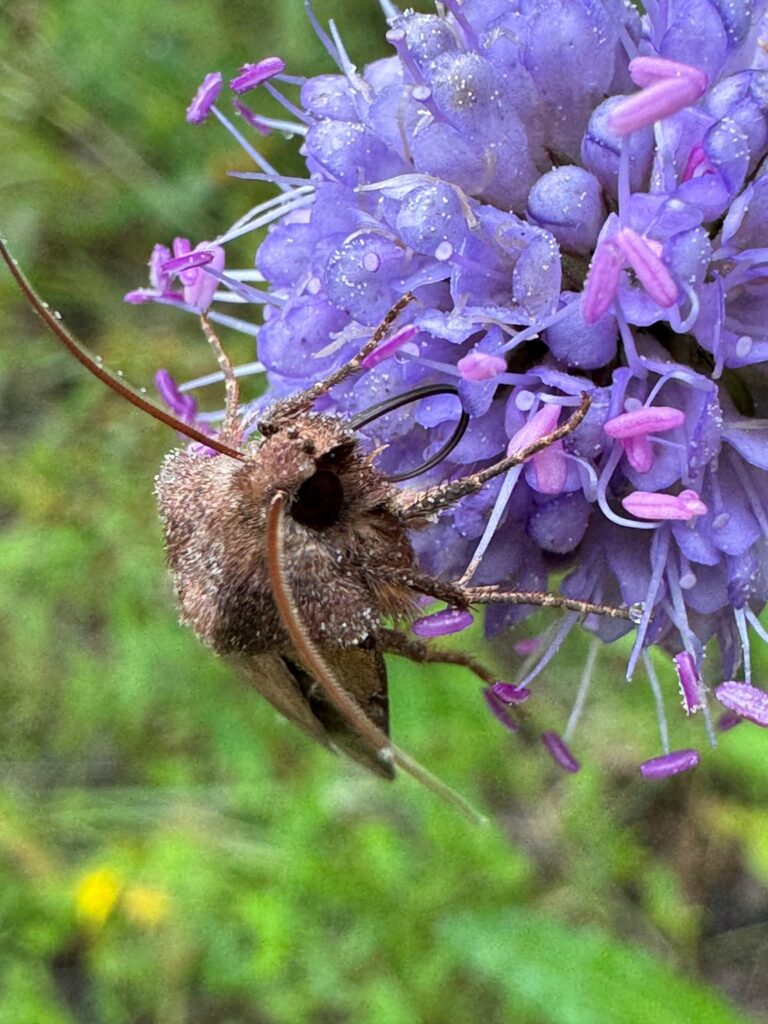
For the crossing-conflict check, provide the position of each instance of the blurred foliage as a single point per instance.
(170, 852)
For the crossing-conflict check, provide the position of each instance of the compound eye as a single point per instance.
(319, 500)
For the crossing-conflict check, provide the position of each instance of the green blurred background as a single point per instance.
(170, 852)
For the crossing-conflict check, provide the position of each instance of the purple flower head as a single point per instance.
(576, 196)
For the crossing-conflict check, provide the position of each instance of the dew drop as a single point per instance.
(444, 251)
(743, 346)
(636, 612)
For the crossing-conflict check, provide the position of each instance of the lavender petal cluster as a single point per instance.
(577, 196)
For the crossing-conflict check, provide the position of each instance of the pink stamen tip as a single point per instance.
(189, 261)
(551, 469)
(508, 693)
(646, 71)
(669, 764)
(476, 366)
(697, 160)
(559, 751)
(539, 425)
(692, 503)
(662, 98)
(639, 453)
(389, 347)
(199, 286)
(252, 119)
(139, 296)
(602, 282)
(252, 75)
(183, 406)
(647, 264)
(499, 709)
(198, 448)
(652, 505)
(691, 684)
(204, 98)
(158, 277)
(450, 620)
(181, 246)
(744, 700)
(650, 419)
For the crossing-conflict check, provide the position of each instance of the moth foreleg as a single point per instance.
(303, 400)
(423, 583)
(232, 429)
(393, 642)
(415, 505)
(491, 595)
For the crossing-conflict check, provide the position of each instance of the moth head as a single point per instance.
(317, 464)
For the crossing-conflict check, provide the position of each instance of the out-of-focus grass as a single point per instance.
(170, 851)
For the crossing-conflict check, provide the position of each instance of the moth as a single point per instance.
(288, 550)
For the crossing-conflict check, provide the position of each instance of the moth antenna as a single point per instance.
(303, 400)
(321, 671)
(391, 404)
(231, 429)
(436, 498)
(92, 364)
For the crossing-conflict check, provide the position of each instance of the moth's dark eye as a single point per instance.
(337, 457)
(319, 500)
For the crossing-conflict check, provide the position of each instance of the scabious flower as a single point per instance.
(577, 196)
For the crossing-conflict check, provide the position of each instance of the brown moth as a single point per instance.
(288, 551)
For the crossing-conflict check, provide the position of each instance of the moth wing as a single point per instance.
(291, 690)
(273, 678)
(362, 672)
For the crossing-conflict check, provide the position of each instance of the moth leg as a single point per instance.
(459, 596)
(423, 583)
(435, 499)
(490, 595)
(231, 429)
(303, 400)
(393, 642)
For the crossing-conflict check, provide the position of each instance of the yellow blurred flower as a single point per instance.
(96, 895)
(146, 905)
